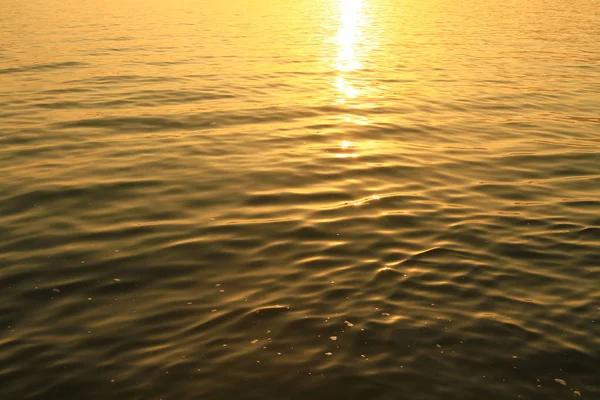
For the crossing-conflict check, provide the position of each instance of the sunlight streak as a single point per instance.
(347, 37)
(348, 34)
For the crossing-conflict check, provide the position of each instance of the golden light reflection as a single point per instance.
(350, 50)
(348, 35)
(353, 155)
(366, 201)
(348, 149)
(347, 38)
(356, 119)
(345, 88)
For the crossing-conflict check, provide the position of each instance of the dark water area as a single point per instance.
(308, 199)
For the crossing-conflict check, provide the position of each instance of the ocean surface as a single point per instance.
(300, 199)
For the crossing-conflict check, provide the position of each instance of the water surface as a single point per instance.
(300, 199)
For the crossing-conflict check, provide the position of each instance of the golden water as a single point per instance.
(300, 199)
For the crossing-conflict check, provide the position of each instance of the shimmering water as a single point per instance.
(300, 199)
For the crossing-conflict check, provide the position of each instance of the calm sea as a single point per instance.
(300, 199)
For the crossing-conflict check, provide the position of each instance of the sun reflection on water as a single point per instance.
(347, 38)
(350, 50)
(345, 88)
(348, 35)
(347, 150)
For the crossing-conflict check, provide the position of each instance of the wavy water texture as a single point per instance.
(338, 199)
